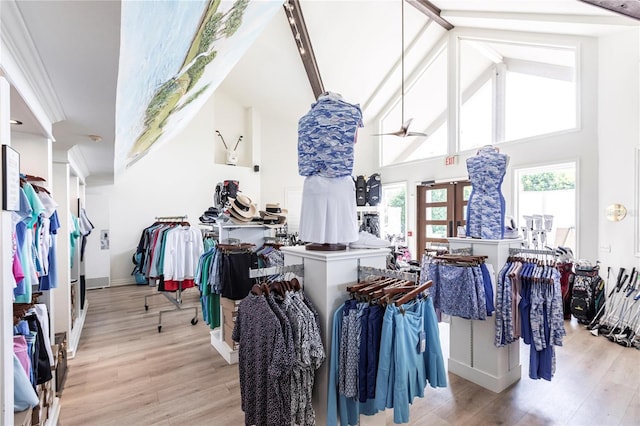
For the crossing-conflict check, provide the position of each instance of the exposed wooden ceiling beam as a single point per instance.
(538, 17)
(432, 11)
(625, 7)
(303, 43)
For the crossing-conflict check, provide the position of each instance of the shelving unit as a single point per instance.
(250, 233)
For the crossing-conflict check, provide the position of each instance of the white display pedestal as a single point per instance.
(473, 354)
(326, 276)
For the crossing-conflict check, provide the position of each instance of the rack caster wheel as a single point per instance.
(146, 307)
(159, 328)
(194, 321)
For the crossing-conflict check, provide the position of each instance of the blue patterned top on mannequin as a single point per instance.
(326, 135)
(485, 211)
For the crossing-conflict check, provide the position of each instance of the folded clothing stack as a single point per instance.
(210, 215)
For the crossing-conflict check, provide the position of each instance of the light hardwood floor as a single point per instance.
(126, 373)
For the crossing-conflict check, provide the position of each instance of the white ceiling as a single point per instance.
(356, 43)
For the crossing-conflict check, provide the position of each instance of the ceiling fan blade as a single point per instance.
(398, 133)
(416, 134)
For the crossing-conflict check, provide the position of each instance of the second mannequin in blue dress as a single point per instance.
(485, 211)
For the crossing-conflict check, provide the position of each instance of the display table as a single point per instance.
(326, 276)
(472, 353)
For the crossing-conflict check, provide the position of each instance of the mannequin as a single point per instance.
(326, 138)
(486, 208)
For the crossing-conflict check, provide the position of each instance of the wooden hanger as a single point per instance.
(33, 178)
(241, 246)
(257, 290)
(379, 285)
(413, 293)
(278, 288)
(296, 284)
(357, 287)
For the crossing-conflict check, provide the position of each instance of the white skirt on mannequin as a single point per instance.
(328, 214)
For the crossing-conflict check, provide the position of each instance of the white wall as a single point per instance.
(97, 262)
(619, 136)
(176, 179)
(35, 154)
(279, 165)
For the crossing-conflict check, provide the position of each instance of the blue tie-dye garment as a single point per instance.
(485, 211)
(326, 135)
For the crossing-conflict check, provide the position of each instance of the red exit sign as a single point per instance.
(451, 160)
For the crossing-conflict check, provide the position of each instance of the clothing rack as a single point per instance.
(217, 335)
(364, 271)
(171, 218)
(277, 270)
(465, 251)
(177, 300)
(514, 251)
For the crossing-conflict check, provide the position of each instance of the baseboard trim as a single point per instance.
(100, 282)
(118, 282)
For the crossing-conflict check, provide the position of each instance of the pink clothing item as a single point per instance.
(18, 273)
(21, 350)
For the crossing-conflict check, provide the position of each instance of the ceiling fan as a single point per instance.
(404, 129)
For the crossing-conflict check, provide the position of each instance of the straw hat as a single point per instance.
(235, 217)
(242, 208)
(274, 208)
(273, 211)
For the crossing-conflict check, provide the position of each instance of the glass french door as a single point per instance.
(441, 208)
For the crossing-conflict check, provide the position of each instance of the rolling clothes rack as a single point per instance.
(177, 300)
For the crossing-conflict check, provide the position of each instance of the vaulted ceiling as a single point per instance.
(356, 43)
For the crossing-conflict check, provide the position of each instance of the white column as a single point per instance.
(472, 353)
(61, 315)
(326, 276)
(6, 263)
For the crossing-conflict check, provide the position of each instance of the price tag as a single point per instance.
(422, 342)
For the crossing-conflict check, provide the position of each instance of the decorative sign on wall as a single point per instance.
(173, 56)
(10, 179)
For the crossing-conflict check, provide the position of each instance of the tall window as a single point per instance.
(426, 103)
(511, 91)
(551, 191)
(394, 212)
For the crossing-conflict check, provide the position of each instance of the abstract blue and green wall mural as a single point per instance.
(173, 56)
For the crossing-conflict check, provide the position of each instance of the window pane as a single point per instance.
(464, 212)
(437, 195)
(393, 211)
(433, 145)
(466, 193)
(548, 192)
(426, 104)
(537, 105)
(511, 90)
(436, 231)
(476, 118)
(436, 213)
